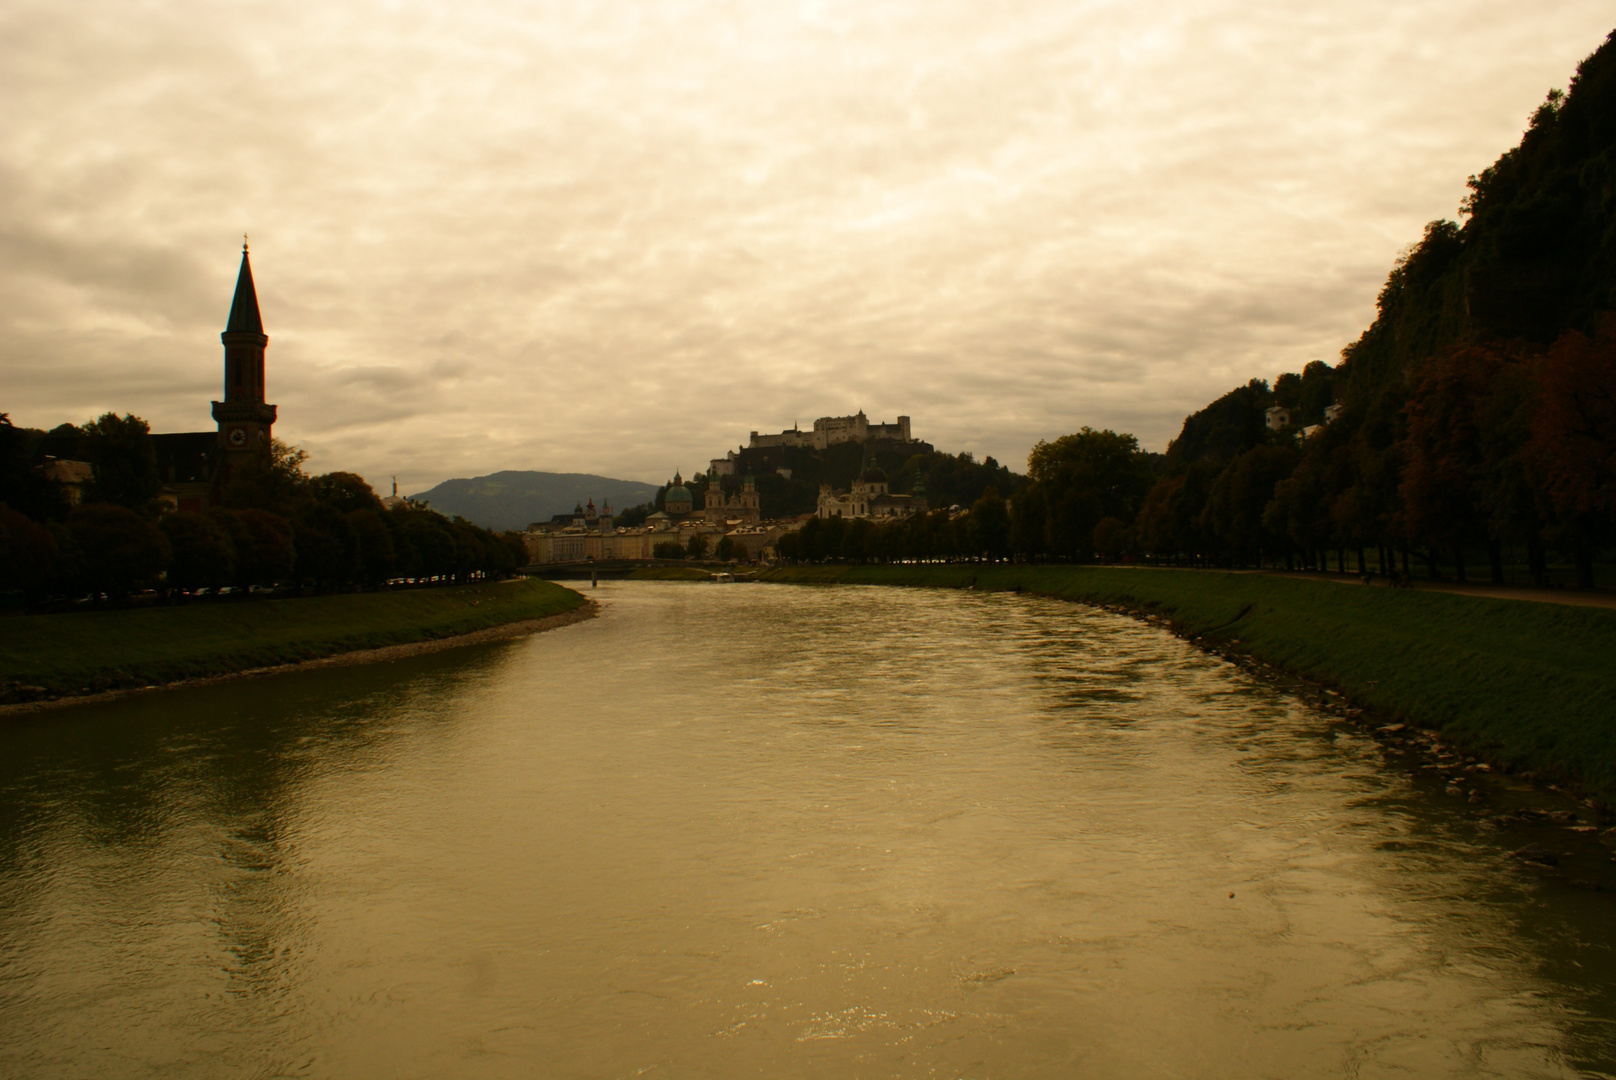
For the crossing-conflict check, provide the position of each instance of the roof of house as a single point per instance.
(67, 472)
(185, 457)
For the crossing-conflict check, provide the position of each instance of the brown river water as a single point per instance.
(766, 831)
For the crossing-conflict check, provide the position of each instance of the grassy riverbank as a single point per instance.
(1530, 685)
(58, 655)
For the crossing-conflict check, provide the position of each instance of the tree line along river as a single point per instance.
(766, 831)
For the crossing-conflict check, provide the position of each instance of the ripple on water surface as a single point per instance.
(753, 830)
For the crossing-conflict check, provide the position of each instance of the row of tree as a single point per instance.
(276, 526)
(1483, 448)
(1489, 447)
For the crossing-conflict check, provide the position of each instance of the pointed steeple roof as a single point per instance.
(244, 317)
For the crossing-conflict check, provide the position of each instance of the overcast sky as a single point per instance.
(616, 237)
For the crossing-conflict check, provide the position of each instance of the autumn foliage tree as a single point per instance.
(1446, 455)
(1574, 439)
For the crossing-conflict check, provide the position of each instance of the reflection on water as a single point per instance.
(763, 831)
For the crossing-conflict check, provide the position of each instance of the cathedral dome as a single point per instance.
(678, 500)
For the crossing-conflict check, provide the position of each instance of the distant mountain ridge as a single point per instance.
(514, 498)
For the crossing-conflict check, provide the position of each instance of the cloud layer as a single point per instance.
(616, 237)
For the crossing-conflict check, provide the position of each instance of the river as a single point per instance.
(768, 831)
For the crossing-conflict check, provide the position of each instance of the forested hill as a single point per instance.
(1478, 410)
(1535, 257)
(514, 499)
(1473, 424)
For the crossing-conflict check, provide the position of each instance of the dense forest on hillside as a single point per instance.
(1475, 421)
(1476, 411)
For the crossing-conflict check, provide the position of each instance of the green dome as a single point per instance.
(677, 493)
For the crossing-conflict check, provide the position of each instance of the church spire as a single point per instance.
(245, 419)
(244, 317)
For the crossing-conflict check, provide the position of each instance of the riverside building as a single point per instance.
(869, 498)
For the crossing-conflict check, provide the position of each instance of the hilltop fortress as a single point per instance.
(829, 430)
(729, 518)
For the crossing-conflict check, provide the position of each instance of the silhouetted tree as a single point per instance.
(327, 550)
(1223, 430)
(428, 535)
(1238, 498)
(124, 461)
(1169, 524)
(344, 490)
(264, 547)
(376, 557)
(274, 481)
(202, 554)
(22, 487)
(27, 555)
(989, 526)
(116, 550)
(1083, 478)
(1110, 538)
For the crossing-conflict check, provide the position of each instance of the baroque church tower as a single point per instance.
(244, 420)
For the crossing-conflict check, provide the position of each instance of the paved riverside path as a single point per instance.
(1582, 597)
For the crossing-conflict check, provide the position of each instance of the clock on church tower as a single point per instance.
(245, 420)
